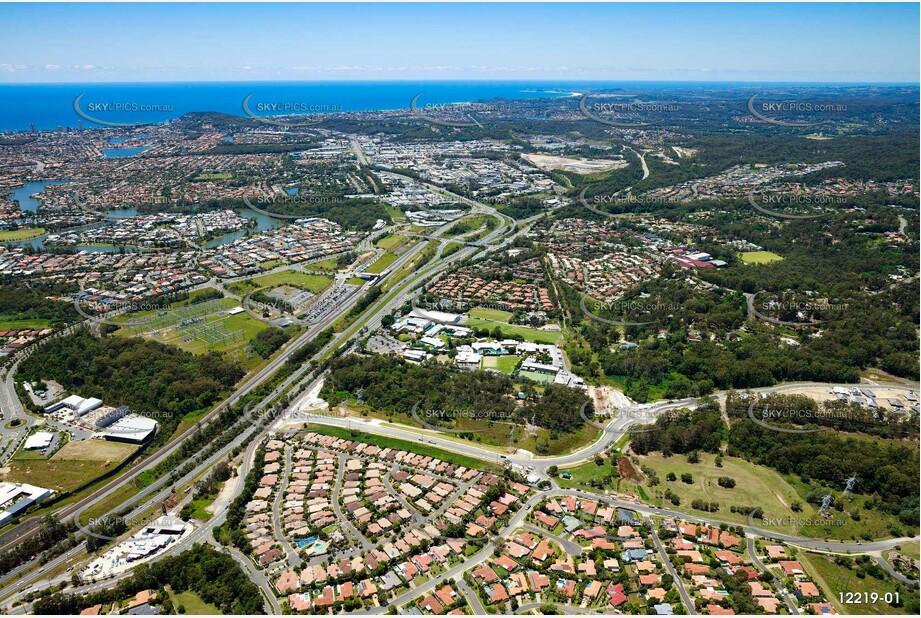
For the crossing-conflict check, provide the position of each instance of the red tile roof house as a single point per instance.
(807, 590)
(592, 590)
(696, 569)
(717, 610)
(288, 582)
(538, 581)
(298, 602)
(791, 567)
(616, 595)
(431, 604)
(486, 574)
(543, 551)
(506, 563)
(566, 587)
(515, 550)
(496, 593)
(728, 557)
(446, 595)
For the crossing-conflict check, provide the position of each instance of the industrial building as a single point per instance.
(130, 428)
(78, 404)
(40, 440)
(108, 418)
(17, 497)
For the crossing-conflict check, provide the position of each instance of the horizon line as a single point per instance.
(469, 80)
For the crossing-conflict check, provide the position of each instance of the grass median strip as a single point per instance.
(403, 445)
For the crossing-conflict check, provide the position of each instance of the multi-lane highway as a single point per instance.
(304, 380)
(377, 310)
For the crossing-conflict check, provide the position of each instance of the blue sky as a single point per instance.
(869, 42)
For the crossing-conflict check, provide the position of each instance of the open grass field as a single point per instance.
(761, 486)
(391, 242)
(759, 257)
(33, 455)
(303, 281)
(527, 333)
(23, 324)
(833, 579)
(94, 450)
(405, 445)
(583, 474)
(381, 264)
(396, 215)
(755, 486)
(328, 264)
(23, 234)
(506, 364)
(496, 315)
(73, 465)
(193, 604)
(214, 176)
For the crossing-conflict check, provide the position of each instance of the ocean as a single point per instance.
(49, 106)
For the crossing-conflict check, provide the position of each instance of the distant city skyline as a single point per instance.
(776, 42)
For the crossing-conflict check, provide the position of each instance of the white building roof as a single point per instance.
(41, 439)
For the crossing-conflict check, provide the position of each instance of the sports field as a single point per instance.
(496, 315)
(759, 257)
(527, 333)
(22, 234)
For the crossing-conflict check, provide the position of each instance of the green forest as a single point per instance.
(393, 386)
(151, 378)
(212, 575)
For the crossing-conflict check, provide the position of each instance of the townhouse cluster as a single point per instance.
(304, 240)
(110, 276)
(737, 181)
(509, 295)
